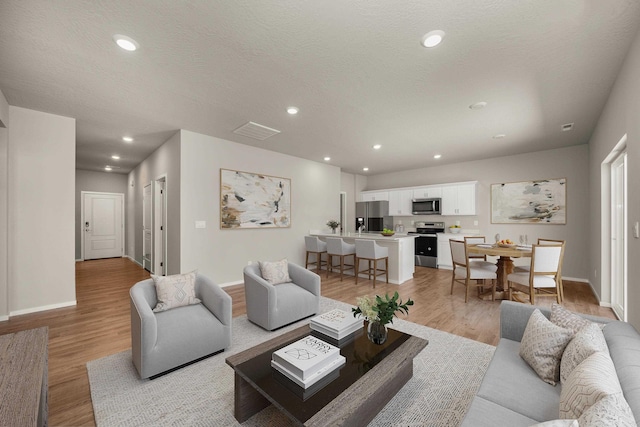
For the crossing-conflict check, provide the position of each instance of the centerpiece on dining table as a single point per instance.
(379, 312)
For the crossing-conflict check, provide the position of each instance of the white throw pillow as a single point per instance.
(175, 291)
(542, 346)
(590, 381)
(612, 410)
(275, 272)
(586, 342)
(567, 319)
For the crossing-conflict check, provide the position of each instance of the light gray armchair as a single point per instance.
(168, 339)
(274, 306)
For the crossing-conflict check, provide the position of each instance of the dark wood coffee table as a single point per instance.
(372, 375)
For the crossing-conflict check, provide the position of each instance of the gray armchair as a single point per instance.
(168, 339)
(274, 306)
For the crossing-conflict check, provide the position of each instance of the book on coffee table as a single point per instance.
(306, 356)
(313, 378)
(301, 392)
(336, 324)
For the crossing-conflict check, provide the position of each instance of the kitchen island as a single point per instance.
(401, 252)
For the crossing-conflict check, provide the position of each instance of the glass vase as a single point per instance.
(377, 332)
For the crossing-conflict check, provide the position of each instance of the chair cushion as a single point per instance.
(275, 272)
(174, 291)
(475, 272)
(542, 346)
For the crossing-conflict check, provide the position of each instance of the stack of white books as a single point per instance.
(336, 324)
(307, 361)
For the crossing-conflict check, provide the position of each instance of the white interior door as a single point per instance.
(103, 220)
(618, 236)
(159, 227)
(147, 246)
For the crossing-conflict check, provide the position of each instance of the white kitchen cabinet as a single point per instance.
(372, 196)
(427, 192)
(400, 202)
(459, 199)
(444, 249)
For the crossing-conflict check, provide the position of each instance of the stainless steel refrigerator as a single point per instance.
(373, 215)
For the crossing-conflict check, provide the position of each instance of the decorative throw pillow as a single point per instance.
(175, 291)
(612, 410)
(558, 423)
(275, 272)
(586, 342)
(590, 381)
(567, 319)
(542, 346)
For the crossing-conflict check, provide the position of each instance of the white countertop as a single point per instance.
(370, 236)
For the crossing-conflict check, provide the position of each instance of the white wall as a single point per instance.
(102, 182)
(619, 117)
(41, 210)
(164, 161)
(571, 163)
(4, 146)
(222, 254)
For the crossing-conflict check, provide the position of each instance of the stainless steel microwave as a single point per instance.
(426, 206)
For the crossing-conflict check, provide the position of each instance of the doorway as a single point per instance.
(618, 236)
(102, 225)
(147, 231)
(159, 226)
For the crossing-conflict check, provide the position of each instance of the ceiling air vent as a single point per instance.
(256, 131)
(566, 127)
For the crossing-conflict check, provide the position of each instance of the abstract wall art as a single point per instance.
(537, 202)
(252, 200)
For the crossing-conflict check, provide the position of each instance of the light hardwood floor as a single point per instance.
(100, 323)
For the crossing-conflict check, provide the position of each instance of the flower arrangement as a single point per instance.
(333, 224)
(382, 309)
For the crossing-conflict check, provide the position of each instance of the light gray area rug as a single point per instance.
(446, 376)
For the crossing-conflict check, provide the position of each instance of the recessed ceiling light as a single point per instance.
(499, 136)
(437, 156)
(478, 105)
(377, 147)
(292, 110)
(127, 139)
(432, 38)
(114, 157)
(326, 159)
(365, 169)
(126, 43)
(108, 168)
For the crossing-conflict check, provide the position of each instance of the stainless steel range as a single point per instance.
(427, 243)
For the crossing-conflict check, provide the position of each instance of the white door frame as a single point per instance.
(144, 230)
(605, 223)
(618, 236)
(159, 220)
(82, 218)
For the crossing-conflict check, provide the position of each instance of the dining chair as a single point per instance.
(543, 277)
(317, 248)
(526, 268)
(370, 251)
(337, 247)
(479, 260)
(467, 273)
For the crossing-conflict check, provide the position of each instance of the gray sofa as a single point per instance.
(166, 340)
(274, 306)
(512, 394)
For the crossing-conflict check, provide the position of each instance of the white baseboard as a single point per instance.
(127, 256)
(576, 279)
(42, 308)
(79, 259)
(237, 282)
(3, 318)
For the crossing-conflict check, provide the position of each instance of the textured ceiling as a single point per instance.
(355, 69)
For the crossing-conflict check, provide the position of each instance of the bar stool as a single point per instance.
(337, 247)
(372, 252)
(315, 247)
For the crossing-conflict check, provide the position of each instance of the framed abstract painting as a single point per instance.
(532, 202)
(252, 200)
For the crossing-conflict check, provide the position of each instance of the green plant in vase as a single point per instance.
(379, 313)
(333, 224)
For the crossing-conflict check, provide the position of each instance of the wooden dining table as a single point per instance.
(505, 263)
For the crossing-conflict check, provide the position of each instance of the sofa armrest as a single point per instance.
(214, 298)
(514, 317)
(259, 294)
(304, 278)
(143, 319)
